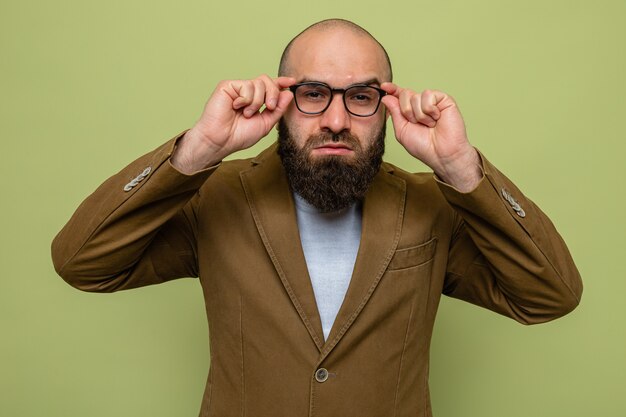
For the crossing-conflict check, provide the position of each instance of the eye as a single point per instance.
(362, 95)
(313, 93)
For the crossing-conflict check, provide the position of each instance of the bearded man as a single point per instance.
(322, 266)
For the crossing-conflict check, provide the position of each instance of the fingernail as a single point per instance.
(272, 103)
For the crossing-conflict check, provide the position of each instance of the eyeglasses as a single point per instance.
(315, 97)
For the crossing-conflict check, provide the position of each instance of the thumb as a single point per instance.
(393, 106)
(271, 117)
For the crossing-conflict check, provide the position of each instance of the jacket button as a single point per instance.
(321, 375)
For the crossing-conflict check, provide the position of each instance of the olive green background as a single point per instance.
(88, 86)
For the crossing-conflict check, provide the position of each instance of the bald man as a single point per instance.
(321, 265)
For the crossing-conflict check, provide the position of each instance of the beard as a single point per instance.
(330, 182)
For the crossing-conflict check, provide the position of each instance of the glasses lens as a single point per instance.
(312, 98)
(362, 100)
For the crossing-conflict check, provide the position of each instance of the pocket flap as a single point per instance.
(413, 256)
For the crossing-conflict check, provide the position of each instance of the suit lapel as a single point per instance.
(383, 212)
(273, 210)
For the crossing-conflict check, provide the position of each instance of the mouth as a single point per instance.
(332, 148)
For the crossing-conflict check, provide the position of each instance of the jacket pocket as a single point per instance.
(413, 256)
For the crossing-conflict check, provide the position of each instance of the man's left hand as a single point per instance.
(431, 128)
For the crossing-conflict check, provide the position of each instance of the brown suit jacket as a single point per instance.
(235, 228)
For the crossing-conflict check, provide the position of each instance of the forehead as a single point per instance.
(338, 57)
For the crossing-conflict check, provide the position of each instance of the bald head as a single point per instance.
(325, 30)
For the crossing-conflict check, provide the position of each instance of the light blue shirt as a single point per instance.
(330, 242)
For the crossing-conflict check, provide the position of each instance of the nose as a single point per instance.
(336, 118)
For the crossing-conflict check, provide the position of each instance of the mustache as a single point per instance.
(323, 138)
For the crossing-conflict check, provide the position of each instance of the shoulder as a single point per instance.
(423, 180)
(422, 190)
(229, 173)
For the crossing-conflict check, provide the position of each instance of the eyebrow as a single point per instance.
(369, 81)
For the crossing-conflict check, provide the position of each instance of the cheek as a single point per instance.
(300, 126)
(369, 130)
(294, 130)
(291, 111)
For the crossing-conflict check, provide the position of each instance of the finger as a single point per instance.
(393, 106)
(430, 101)
(417, 104)
(271, 117)
(397, 117)
(280, 83)
(244, 91)
(258, 98)
(406, 99)
(391, 88)
(271, 92)
(284, 82)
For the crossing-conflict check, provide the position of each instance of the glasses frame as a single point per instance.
(334, 91)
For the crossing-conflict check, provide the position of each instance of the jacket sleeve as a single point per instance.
(138, 228)
(506, 255)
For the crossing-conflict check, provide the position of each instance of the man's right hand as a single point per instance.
(232, 121)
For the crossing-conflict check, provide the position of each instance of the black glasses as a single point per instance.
(315, 97)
